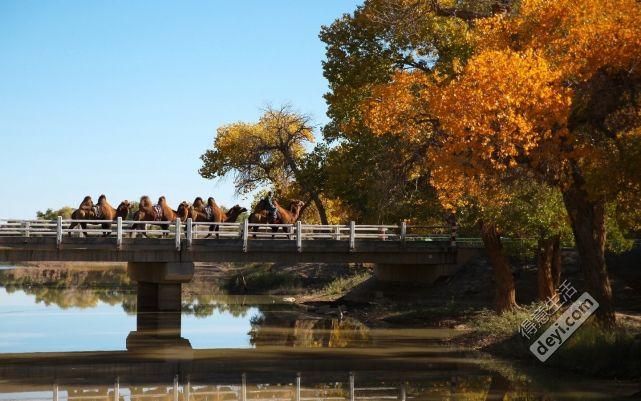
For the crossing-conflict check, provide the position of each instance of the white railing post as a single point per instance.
(297, 395)
(243, 387)
(59, 232)
(176, 388)
(403, 393)
(299, 236)
(245, 234)
(55, 392)
(352, 235)
(403, 230)
(117, 387)
(187, 389)
(189, 232)
(27, 228)
(119, 232)
(178, 235)
(337, 233)
(351, 386)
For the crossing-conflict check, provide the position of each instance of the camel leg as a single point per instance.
(71, 227)
(274, 231)
(84, 229)
(255, 229)
(216, 228)
(107, 228)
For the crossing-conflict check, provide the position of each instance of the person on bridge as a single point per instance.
(272, 210)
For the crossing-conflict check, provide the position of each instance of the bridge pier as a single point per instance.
(159, 284)
(412, 273)
(158, 313)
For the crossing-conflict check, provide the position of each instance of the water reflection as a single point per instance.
(272, 328)
(64, 339)
(336, 386)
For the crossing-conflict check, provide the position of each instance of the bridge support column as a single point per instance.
(158, 314)
(412, 273)
(159, 284)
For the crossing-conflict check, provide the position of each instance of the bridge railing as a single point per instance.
(187, 231)
(239, 391)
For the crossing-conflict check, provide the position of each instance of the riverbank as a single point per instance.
(463, 303)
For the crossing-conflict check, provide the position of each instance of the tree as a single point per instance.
(547, 95)
(379, 177)
(271, 151)
(51, 214)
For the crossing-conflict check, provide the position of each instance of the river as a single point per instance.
(62, 343)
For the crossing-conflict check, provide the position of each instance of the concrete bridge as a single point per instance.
(164, 257)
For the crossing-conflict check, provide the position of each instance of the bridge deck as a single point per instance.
(99, 249)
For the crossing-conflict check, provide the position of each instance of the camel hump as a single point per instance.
(145, 201)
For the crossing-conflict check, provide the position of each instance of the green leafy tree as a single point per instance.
(51, 214)
(271, 152)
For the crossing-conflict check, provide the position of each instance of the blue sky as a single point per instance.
(122, 97)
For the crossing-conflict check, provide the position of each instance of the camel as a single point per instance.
(260, 214)
(101, 211)
(84, 212)
(104, 211)
(212, 213)
(158, 212)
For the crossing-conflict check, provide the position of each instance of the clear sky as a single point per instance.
(122, 97)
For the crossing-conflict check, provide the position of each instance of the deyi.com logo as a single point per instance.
(555, 335)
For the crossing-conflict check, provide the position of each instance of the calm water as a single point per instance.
(60, 342)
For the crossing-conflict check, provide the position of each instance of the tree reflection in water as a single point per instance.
(86, 288)
(275, 327)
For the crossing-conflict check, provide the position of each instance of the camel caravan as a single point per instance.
(267, 211)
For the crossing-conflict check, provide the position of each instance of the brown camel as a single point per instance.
(104, 211)
(84, 212)
(158, 212)
(284, 216)
(212, 213)
(101, 211)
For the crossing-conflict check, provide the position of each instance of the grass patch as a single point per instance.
(264, 282)
(342, 285)
(597, 351)
(593, 350)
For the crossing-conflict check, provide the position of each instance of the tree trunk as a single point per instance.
(322, 213)
(556, 261)
(320, 207)
(588, 225)
(505, 293)
(546, 258)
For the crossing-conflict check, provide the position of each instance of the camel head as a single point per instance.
(296, 206)
(145, 201)
(234, 212)
(183, 211)
(123, 209)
